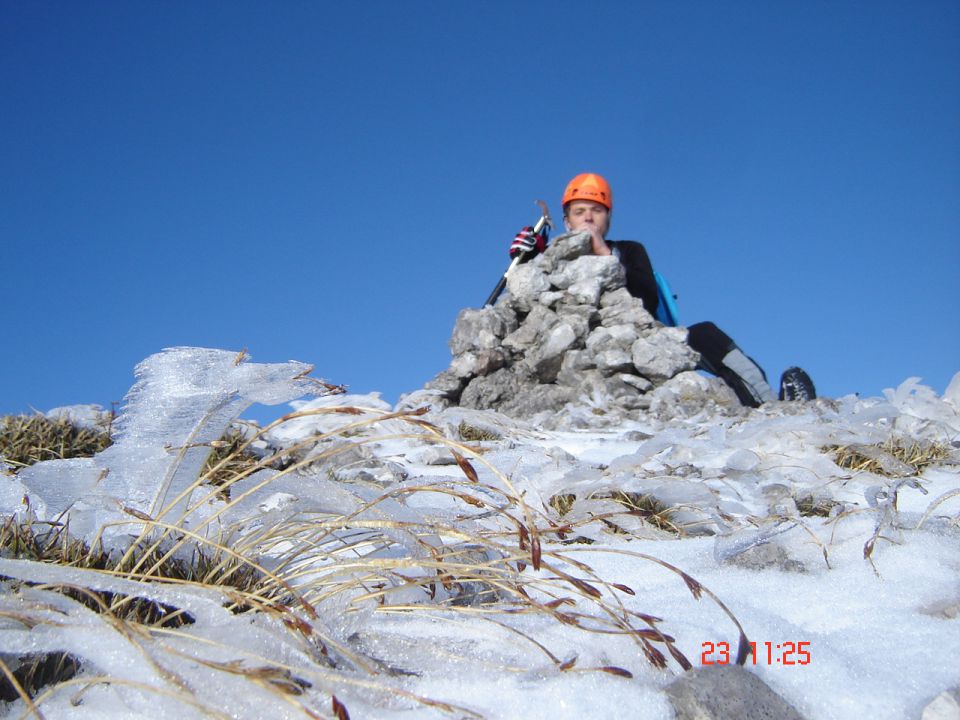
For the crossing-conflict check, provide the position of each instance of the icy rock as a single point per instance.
(690, 394)
(381, 473)
(720, 692)
(475, 575)
(742, 460)
(765, 556)
(946, 609)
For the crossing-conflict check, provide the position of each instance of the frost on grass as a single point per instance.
(379, 561)
(184, 399)
(270, 577)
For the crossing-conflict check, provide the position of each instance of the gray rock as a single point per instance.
(432, 399)
(470, 364)
(532, 330)
(621, 308)
(612, 337)
(565, 336)
(491, 391)
(475, 575)
(481, 329)
(569, 246)
(617, 393)
(575, 363)
(641, 384)
(765, 556)
(550, 298)
(545, 358)
(525, 284)
(582, 318)
(945, 706)
(601, 272)
(448, 384)
(948, 609)
(535, 399)
(611, 362)
(724, 692)
(662, 355)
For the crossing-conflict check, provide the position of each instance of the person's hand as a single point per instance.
(597, 242)
(529, 243)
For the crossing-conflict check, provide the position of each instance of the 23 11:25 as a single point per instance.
(787, 653)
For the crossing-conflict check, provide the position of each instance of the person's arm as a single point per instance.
(640, 281)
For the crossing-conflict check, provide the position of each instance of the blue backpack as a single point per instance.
(667, 305)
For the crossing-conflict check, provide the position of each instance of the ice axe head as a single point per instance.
(544, 218)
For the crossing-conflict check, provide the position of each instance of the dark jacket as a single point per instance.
(640, 281)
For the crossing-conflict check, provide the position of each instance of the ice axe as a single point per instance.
(544, 220)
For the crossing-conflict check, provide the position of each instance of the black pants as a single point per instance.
(715, 346)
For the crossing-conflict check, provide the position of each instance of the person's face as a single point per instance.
(588, 215)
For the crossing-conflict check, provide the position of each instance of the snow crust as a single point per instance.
(872, 583)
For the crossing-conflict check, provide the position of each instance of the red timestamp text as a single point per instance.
(785, 653)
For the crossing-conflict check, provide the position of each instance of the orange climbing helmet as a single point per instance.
(588, 186)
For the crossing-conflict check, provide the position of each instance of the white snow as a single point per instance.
(883, 633)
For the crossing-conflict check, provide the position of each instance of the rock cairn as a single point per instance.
(565, 331)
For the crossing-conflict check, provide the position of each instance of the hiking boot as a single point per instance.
(795, 384)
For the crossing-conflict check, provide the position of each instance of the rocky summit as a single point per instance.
(567, 336)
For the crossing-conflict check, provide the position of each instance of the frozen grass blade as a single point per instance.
(27, 700)
(362, 559)
(937, 502)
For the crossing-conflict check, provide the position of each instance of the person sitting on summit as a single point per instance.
(588, 206)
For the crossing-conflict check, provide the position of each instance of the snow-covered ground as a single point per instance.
(854, 611)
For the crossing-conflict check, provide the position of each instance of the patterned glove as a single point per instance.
(529, 243)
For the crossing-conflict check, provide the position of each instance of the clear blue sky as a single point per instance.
(333, 182)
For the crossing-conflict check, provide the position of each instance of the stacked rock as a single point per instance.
(566, 330)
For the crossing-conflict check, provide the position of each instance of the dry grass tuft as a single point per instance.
(647, 507)
(897, 457)
(46, 543)
(638, 504)
(34, 672)
(471, 433)
(563, 503)
(812, 506)
(28, 439)
(229, 459)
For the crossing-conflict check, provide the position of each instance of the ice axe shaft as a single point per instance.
(543, 221)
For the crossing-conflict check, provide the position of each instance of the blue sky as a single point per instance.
(333, 182)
